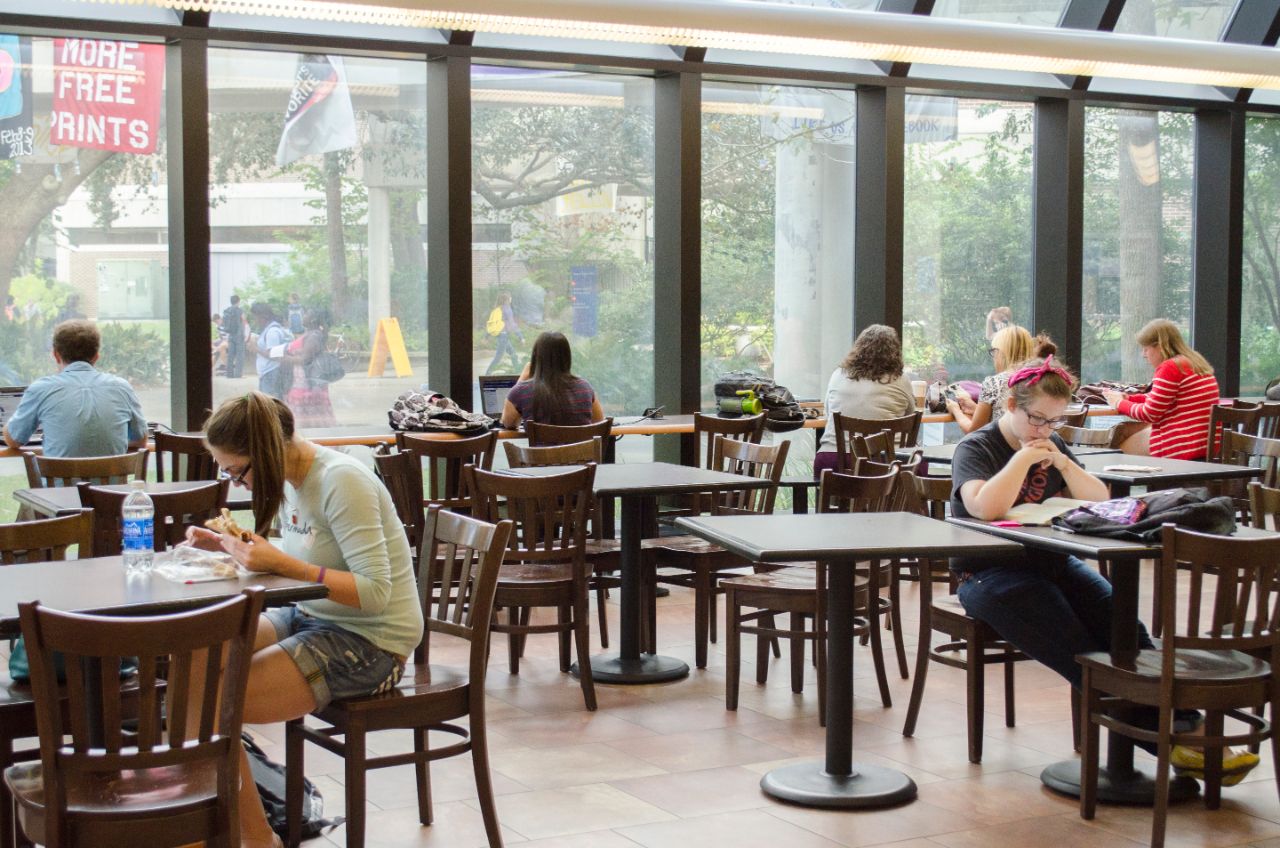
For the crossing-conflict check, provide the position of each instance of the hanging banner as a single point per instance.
(319, 117)
(17, 135)
(107, 94)
(931, 119)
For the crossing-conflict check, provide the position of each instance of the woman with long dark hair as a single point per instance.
(548, 391)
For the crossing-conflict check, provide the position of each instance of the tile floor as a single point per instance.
(667, 765)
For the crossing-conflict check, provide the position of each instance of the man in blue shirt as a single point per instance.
(83, 411)
(273, 379)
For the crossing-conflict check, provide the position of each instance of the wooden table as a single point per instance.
(1120, 781)
(100, 585)
(64, 500)
(1173, 472)
(842, 539)
(637, 484)
(943, 454)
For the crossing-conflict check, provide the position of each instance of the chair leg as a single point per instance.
(1088, 749)
(712, 618)
(1161, 811)
(294, 769)
(1157, 619)
(1212, 763)
(525, 613)
(923, 642)
(733, 658)
(762, 650)
(582, 634)
(484, 780)
(797, 654)
(1075, 720)
(701, 616)
(422, 774)
(877, 651)
(8, 820)
(1010, 716)
(515, 646)
(975, 680)
(601, 594)
(354, 776)
(565, 636)
(895, 619)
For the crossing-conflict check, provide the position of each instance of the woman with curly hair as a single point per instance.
(869, 383)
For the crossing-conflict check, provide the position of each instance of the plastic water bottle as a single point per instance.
(139, 530)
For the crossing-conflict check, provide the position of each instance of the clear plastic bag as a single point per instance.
(188, 564)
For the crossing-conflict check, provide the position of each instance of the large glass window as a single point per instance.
(562, 173)
(1030, 12)
(1260, 330)
(84, 232)
(1137, 235)
(318, 172)
(1201, 20)
(967, 235)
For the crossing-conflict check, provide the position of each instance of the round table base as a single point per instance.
(1137, 787)
(647, 668)
(809, 785)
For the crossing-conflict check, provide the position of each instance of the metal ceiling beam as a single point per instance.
(459, 37)
(1096, 15)
(1255, 22)
(690, 54)
(902, 7)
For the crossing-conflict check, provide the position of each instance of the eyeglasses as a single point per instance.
(992, 351)
(1040, 421)
(238, 479)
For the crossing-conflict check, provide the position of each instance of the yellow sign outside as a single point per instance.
(388, 342)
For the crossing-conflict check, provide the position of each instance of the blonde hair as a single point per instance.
(1015, 346)
(259, 427)
(1164, 334)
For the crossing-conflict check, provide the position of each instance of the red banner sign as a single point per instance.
(106, 94)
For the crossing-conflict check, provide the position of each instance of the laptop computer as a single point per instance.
(493, 392)
(10, 397)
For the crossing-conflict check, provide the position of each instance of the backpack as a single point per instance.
(1189, 508)
(781, 412)
(269, 776)
(432, 412)
(495, 323)
(325, 367)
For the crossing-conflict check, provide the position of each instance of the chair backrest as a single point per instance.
(1242, 418)
(1264, 506)
(92, 647)
(570, 453)
(879, 447)
(401, 473)
(183, 458)
(47, 539)
(175, 511)
(442, 461)
(851, 493)
(48, 471)
(928, 496)
(1243, 449)
(458, 580)
(905, 429)
(550, 513)
(764, 462)
(1268, 426)
(1076, 414)
(1245, 602)
(1086, 436)
(562, 434)
(748, 428)
(902, 494)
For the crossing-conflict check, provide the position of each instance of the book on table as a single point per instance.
(1040, 514)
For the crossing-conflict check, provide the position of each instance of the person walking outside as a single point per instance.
(233, 324)
(273, 379)
(501, 324)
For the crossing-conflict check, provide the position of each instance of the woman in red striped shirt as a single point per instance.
(1182, 395)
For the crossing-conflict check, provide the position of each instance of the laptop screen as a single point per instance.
(493, 392)
(9, 399)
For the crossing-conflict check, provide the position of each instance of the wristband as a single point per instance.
(320, 576)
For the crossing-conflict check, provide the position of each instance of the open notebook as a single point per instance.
(1040, 514)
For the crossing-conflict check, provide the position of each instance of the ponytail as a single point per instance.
(259, 427)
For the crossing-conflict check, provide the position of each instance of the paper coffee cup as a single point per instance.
(917, 389)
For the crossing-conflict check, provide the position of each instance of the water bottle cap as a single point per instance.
(138, 484)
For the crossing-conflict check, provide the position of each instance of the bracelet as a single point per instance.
(320, 576)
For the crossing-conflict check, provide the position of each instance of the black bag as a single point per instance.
(1092, 392)
(781, 411)
(325, 367)
(1192, 509)
(269, 777)
(432, 412)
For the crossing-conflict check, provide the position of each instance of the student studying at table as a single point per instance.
(82, 411)
(548, 391)
(339, 528)
(1050, 606)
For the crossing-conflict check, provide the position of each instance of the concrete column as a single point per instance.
(379, 222)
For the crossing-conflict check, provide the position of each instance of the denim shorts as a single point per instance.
(337, 663)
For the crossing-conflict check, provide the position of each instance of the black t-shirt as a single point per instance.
(980, 456)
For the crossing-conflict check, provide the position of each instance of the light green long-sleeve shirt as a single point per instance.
(342, 518)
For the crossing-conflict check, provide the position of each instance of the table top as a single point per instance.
(942, 454)
(1171, 470)
(60, 500)
(1080, 544)
(652, 478)
(837, 535)
(100, 585)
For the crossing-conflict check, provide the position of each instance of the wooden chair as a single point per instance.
(699, 563)
(1212, 665)
(748, 428)
(464, 555)
(603, 555)
(801, 592)
(541, 435)
(1242, 418)
(878, 447)
(186, 458)
(175, 511)
(1076, 415)
(160, 786)
(1081, 437)
(973, 645)
(1243, 449)
(401, 473)
(1268, 426)
(48, 471)
(1264, 506)
(905, 432)
(443, 460)
(46, 540)
(545, 564)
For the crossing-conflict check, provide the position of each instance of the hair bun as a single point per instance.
(1045, 347)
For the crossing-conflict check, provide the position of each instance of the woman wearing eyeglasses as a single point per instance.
(1183, 393)
(338, 527)
(1010, 347)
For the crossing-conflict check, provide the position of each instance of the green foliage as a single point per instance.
(49, 295)
(135, 353)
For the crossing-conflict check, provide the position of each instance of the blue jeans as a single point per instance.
(505, 348)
